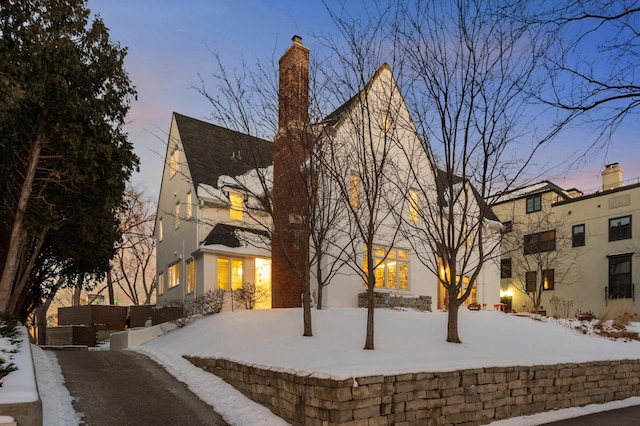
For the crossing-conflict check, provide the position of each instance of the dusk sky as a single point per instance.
(169, 45)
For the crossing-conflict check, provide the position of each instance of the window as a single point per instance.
(507, 227)
(176, 216)
(620, 276)
(393, 271)
(534, 203)
(160, 284)
(237, 202)
(188, 215)
(229, 272)
(191, 275)
(620, 228)
(577, 236)
(530, 281)
(548, 279)
(505, 268)
(160, 231)
(354, 191)
(175, 162)
(414, 200)
(540, 242)
(386, 123)
(174, 275)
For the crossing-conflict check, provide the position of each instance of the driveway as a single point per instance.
(127, 388)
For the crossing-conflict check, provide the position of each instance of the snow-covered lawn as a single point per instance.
(405, 342)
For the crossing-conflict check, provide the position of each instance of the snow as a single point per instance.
(19, 385)
(57, 405)
(406, 341)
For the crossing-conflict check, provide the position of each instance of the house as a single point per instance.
(200, 218)
(577, 250)
(214, 233)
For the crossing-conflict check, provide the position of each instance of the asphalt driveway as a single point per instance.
(127, 388)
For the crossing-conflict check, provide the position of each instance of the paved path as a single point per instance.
(127, 388)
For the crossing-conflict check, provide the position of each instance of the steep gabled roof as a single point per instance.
(225, 234)
(442, 183)
(212, 151)
(335, 117)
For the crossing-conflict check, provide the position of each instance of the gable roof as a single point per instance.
(225, 234)
(212, 151)
(528, 190)
(442, 185)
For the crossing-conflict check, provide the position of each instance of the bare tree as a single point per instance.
(132, 269)
(362, 142)
(470, 69)
(600, 87)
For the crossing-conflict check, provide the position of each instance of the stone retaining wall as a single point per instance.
(383, 299)
(473, 396)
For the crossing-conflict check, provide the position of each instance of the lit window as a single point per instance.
(414, 201)
(620, 228)
(160, 231)
(534, 203)
(548, 279)
(354, 191)
(160, 284)
(229, 272)
(387, 122)
(176, 216)
(237, 201)
(188, 215)
(174, 275)
(393, 271)
(473, 295)
(620, 285)
(175, 162)
(191, 276)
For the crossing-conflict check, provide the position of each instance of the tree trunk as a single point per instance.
(77, 290)
(452, 323)
(306, 296)
(370, 308)
(15, 304)
(17, 240)
(112, 298)
(320, 286)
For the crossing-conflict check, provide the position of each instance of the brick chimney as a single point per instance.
(290, 240)
(611, 177)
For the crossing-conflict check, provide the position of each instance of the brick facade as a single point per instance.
(471, 396)
(290, 239)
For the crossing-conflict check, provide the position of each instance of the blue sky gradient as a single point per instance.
(169, 46)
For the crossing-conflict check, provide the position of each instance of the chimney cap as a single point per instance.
(612, 165)
(296, 39)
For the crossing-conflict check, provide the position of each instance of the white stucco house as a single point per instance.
(211, 234)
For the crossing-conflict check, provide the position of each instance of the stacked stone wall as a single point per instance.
(472, 396)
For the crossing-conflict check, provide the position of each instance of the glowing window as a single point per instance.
(175, 162)
(188, 215)
(354, 191)
(176, 216)
(191, 276)
(229, 272)
(160, 284)
(391, 268)
(174, 275)
(414, 201)
(237, 201)
(160, 231)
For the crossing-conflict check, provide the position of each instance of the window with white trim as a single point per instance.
(229, 273)
(391, 267)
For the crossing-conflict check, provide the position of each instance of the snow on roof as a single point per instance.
(529, 190)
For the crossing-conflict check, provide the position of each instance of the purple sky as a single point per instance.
(169, 44)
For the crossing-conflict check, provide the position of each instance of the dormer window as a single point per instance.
(237, 206)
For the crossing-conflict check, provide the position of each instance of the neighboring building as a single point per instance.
(213, 234)
(580, 248)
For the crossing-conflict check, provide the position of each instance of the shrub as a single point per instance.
(561, 307)
(249, 295)
(208, 304)
(8, 330)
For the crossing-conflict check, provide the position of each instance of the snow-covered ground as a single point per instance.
(405, 342)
